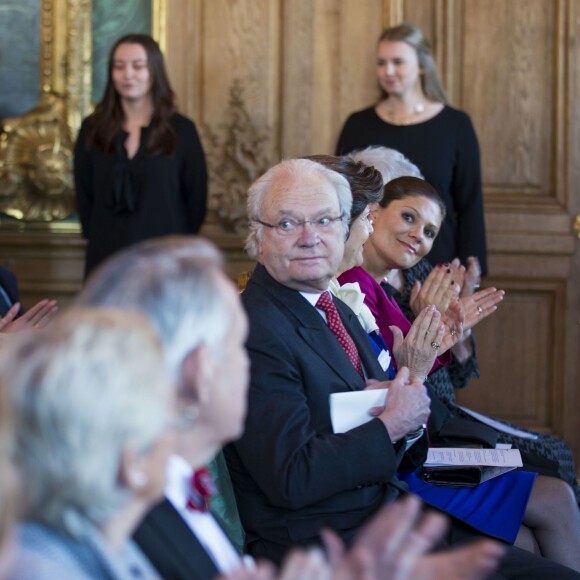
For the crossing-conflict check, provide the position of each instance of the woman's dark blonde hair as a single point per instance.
(413, 36)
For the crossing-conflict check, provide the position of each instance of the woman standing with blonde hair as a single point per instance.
(414, 117)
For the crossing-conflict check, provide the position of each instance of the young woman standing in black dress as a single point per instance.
(139, 165)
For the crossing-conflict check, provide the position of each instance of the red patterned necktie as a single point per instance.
(335, 324)
(201, 488)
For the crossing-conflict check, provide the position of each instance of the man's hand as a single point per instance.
(407, 407)
(37, 317)
(471, 278)
(396, 544)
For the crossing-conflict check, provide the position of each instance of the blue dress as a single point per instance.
(495, 507)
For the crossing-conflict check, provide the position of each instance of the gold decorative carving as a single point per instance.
(236, 156)
(159, 23)
(36, 163)
(36, 148)
(78, 63)
(393, 12)
(577, 226)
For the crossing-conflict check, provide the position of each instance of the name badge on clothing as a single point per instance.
(385, 360)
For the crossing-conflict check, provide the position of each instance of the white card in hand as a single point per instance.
(351, 409)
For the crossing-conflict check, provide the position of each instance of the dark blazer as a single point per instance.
(292, 475)
(10, 284)
(172, 547)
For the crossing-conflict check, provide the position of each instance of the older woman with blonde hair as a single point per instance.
(94, 426)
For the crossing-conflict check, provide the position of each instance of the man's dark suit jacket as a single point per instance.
(172, 547)
(292, 475)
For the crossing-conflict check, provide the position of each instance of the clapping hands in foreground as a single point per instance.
(37, 317)
(393, 545)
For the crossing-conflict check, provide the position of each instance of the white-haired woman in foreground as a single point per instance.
(94, 427)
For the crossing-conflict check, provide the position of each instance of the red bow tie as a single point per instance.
(201, 488)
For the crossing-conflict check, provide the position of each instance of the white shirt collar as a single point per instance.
(178, 473)
(312, 297)
(211, 536)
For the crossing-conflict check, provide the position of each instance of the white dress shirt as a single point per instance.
(202, 524)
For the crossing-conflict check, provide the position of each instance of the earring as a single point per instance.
(186, 418)
(190, 414)
(138, 478)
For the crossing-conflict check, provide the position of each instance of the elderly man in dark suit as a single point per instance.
(179, 284)
(293, 475)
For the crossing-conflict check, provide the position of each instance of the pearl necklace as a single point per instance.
(418, 108)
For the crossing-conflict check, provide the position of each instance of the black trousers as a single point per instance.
(517, 564)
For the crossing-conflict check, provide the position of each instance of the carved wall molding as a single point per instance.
(36, 168)
(159, 23)
(236, 156)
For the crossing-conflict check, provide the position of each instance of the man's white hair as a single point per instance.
(177, 283)
(281, 178)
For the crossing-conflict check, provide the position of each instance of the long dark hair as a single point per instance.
(107, 120)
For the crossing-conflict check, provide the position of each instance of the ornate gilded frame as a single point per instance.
(36, 149)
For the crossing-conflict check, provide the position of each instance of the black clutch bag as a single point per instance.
(451, 475)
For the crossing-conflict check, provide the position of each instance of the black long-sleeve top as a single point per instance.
(123, 201)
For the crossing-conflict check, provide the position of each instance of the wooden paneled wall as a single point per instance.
(304, 65)
(266, 79)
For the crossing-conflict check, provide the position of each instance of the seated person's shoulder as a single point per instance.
(260, 308)
(256, 299)
(7, 275)
(42, 553)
